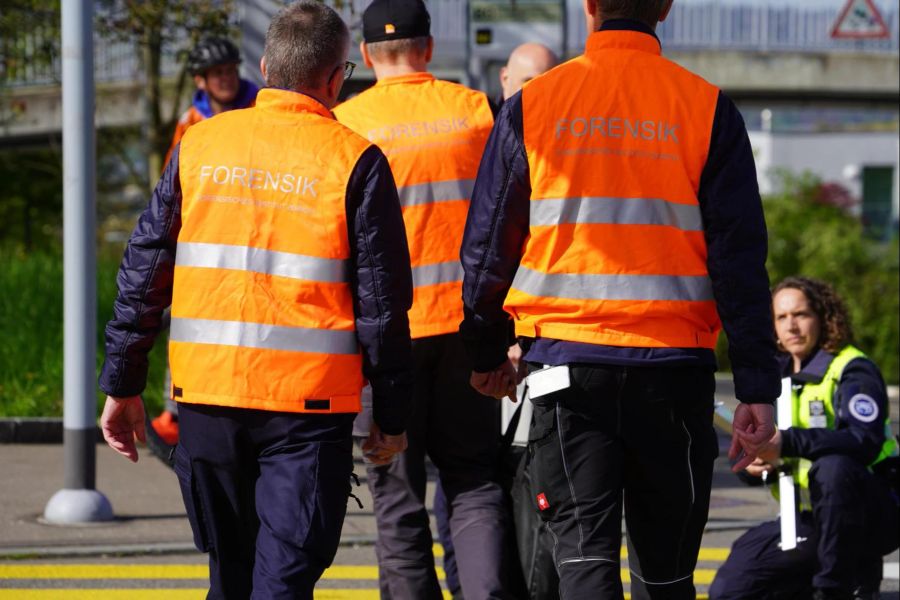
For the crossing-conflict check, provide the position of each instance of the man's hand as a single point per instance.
(514, 354)
(380, 448)
(122, 419)
(753, 428)
(497, 383)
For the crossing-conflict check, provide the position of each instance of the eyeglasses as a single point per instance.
(348, 69)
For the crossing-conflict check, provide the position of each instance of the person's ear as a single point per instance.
(430, 51)
(262, 68)
(335, 83)
(200, 82)
(504, 76)
(665, 11)
(590, 14)
(364, 51)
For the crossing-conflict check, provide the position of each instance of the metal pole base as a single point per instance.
(74, 507)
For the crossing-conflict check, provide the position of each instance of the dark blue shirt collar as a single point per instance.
(627, 25)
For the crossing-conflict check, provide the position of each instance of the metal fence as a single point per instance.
(699, 25)
(727, 25)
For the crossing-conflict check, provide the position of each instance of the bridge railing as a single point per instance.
(697, 25)
(726, 25)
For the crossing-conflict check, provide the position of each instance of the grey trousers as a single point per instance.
(456, 428)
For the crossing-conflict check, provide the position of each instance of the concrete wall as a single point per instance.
(795, 72)
(834, 157)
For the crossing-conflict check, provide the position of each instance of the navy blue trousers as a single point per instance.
(266, 494)
(853, 523)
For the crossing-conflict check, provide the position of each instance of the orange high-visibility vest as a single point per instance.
(262, 312)
(433, 133)
(616, 141)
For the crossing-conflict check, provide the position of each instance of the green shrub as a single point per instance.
(31, 318)
(809, 236)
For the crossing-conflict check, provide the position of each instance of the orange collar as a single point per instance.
(622, 40)
(286, 101)
(422, 77)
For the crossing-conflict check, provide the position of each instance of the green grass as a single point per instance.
(31, 347)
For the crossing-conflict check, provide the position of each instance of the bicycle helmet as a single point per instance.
(210, 52)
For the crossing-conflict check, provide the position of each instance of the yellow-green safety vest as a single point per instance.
(802, 398)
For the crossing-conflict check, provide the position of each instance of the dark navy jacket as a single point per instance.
(381, 285)
(858, 439)
(735, 231)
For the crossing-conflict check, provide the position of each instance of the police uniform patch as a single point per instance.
(864, 408)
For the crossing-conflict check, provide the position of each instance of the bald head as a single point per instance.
(526, 62)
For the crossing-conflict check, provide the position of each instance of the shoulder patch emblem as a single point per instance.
(864, 408)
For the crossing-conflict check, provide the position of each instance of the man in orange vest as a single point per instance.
(616, 217)
(433, 133)
(213, 63)
(277, 237)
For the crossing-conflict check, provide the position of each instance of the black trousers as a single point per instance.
(455, 427)
(266, 494)
(634, 435)
(852, 524)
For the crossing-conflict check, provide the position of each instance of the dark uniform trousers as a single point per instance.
(457, 428)
(644, 433)
(852, 525)
(266, 494)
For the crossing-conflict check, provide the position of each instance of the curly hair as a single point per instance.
(837, 331)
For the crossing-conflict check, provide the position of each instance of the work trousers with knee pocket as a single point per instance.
(457, 428)
(639, 435)
(266, 494)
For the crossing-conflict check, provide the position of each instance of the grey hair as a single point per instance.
(304, 44)
(390, 50)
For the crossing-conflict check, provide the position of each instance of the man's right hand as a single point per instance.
(122, 419)
(499, 383)
(380, 448)
(753, 428)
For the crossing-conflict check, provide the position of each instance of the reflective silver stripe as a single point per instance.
(269, 337)
(693, 288)
(437, 273)
(619, 211)
(257, 260)
(436, 191)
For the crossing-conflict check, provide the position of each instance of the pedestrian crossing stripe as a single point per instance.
(177, 572)
(182, 594)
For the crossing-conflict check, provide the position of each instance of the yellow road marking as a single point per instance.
(162, 572)
(181, 594)
(169, 594)
(706, 554)
(133, 572)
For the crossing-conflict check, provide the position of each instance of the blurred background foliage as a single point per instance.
(812, 233)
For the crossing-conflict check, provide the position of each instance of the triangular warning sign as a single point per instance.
(860, 19)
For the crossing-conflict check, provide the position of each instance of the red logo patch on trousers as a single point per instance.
(543, 504)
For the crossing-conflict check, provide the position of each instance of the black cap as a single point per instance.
(395, 20)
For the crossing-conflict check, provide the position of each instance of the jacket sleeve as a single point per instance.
(144, 288)
(857, 434)
(496, 229)
(381, 282)
(737, 244)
